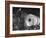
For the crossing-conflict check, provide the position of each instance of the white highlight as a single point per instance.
(34, 20)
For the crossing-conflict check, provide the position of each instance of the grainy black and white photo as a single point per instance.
(26, 18)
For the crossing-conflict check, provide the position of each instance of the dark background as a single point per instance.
(35, 11)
